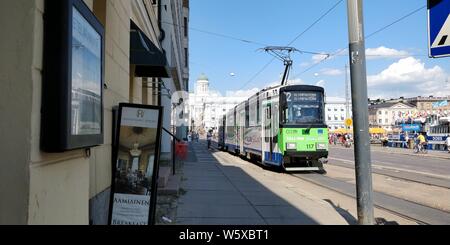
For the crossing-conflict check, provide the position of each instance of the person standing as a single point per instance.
(448, 143)
(405, 143)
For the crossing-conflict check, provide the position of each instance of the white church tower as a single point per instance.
(202, 85)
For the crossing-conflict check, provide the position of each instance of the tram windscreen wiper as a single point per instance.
(308, 129)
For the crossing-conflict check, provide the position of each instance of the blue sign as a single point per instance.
(440, 104)
(439, 28)
(411, 127)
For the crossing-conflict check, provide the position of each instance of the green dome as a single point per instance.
(203, 77)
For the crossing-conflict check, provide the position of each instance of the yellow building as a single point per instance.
(73, 187)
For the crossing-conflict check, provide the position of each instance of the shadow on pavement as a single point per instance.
(220, 194)
(344, 213)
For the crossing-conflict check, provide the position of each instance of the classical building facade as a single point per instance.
(336, 111)
(385, 115)
(73, 187)
(207, 108)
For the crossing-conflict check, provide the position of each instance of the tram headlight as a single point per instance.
(291, 146)
(321, 146)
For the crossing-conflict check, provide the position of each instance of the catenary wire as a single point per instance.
(367, 37)
(290, 43)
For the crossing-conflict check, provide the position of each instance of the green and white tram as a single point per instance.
(282, 126)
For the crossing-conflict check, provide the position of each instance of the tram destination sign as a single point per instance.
(302, 96)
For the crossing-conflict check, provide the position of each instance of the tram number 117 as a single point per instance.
(310, 146)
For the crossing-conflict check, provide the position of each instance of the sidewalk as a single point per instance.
(435, 154)
(223, 190)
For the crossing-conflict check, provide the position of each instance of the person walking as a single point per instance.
(208, 138)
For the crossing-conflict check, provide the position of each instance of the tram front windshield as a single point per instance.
(303, 108)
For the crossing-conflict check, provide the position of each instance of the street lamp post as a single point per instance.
(363, 167)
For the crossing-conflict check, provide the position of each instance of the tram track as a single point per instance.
(383, 171)
(406, 209)
(416, 212)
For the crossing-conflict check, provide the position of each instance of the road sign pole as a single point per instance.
(363, 167)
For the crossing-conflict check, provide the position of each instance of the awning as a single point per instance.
(377, 131)
(149, 60)
(342, 131)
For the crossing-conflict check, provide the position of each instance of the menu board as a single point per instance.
(133, 196)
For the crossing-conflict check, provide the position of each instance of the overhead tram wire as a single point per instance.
(222, 35)
(295, 39)
(367, 37)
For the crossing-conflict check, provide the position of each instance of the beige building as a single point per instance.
(74, 187)
(385, 115)
(428, 105)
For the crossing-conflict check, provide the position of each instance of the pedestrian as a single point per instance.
(448, 143)
(208, 138)
(405, 142)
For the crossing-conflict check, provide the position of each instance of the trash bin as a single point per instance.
(411, 144)
(181, 150)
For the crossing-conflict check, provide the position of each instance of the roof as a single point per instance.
(389, 105)
(203, 77)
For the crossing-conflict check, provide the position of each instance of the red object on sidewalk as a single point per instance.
(181, 150)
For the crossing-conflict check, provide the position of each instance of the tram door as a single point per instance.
(267, 131)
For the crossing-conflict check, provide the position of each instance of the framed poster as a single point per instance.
(135, 165)
(73, 77)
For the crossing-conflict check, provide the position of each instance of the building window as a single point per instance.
(329, 109)
(329, 118)
(186, 58)
(185, 27)
(380, 121)
(386, 121)
(380, 113)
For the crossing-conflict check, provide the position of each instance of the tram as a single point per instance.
(282, 126)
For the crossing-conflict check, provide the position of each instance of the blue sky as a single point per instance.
(398, 65)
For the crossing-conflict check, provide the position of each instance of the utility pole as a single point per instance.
(364, 191)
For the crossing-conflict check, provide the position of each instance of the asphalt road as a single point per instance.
(420, 165)
(422, 169)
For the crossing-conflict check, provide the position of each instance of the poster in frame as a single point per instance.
(135, 165)
(73, 77)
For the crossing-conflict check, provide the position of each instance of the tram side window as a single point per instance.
(253, 114)
(269, 112)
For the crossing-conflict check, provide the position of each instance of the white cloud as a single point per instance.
(384, 53)
(295, 82)
(321, 83)
(250, 92)
(332, 72)
(319, 57)
(409, 77)
(304, 64)
(242, 93)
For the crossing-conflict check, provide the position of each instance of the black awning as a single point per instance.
(149, 60)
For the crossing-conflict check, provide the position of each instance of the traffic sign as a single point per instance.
(439, 28)
(348, 122)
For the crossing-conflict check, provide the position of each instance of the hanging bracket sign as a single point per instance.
(135, 165)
